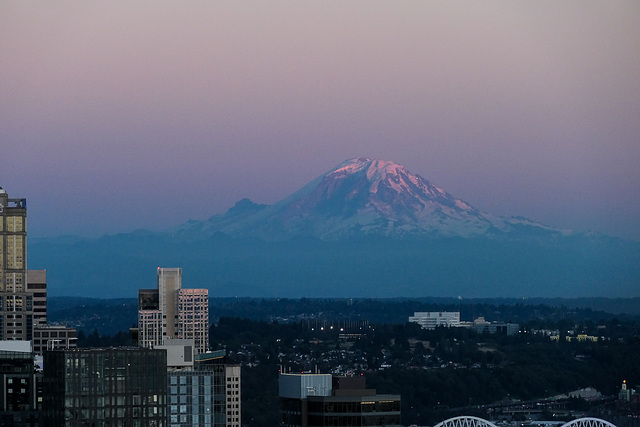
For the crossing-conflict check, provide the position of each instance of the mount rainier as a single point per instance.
(359, 197)
(366, 228)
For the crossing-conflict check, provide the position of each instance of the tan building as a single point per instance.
(171, 312)
(16, 303)
(169, 283)
(150, 328)
(234, 391)
(37, 285)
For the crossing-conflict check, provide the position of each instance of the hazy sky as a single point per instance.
(123, 115)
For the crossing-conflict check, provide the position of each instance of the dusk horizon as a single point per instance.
(381, 213)
(170, 227)
(366, 227)
(117, 116)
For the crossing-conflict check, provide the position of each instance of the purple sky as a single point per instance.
(118, 115)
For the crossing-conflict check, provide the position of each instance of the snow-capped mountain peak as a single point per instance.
(389, 174)
(367, 196)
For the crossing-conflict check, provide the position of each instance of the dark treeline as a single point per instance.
(397, 310)
(444, 368)
(110, 316)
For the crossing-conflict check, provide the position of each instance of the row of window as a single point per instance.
(15, 224)
(54, 334)
(354, 407)
(16, 303)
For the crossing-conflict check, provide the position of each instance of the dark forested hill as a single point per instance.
(112, 315)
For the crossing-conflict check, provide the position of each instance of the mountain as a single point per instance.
(362, 196)
(366, 228)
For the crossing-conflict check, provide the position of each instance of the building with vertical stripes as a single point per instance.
(193, 317)
(16, 302)
(171, 312)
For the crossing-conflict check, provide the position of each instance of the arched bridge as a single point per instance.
(468, 421)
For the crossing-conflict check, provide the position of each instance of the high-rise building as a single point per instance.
(115, 386)
(169, 283)
(150, 328)
(193, 317)
(157, 309)
(37, 286)
(625, 393)
(201, 391)
(314, 400)
(16, 303)
(171, 312)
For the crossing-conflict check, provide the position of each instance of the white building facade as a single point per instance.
(193, 317)
(433, 319)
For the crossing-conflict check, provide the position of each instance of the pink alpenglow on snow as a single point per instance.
(368, 196)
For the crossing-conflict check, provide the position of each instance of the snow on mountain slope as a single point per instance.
(364, 196)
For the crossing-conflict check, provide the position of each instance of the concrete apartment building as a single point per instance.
(169, 283)
(193, 316)
(171, 312)
(202, 389)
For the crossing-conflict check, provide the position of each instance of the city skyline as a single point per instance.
(125, 111)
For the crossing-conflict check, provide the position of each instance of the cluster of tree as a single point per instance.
(94, 339)
(443, 368)
(91, 313)
(397, 310)
(446, 368)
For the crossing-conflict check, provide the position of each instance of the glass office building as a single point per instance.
(105, 387)
(207, 395)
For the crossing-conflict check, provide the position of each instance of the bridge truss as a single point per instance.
(468, 421)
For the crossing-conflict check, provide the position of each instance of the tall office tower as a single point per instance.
(193, 317)
(172, 312)
(169, 283)
(150, 328)
(37, 285)
(149, 318)
(158, 309)
(16, 304)
(233, 372)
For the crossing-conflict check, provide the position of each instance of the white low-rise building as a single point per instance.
(433, 319)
